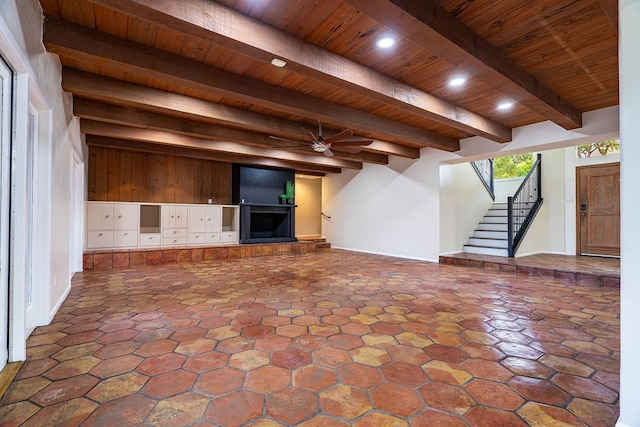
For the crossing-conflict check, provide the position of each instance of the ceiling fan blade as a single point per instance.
(338, 136)
(327, 153)
(354, 143)
(310, 134)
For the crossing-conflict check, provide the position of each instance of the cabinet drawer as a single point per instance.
(197, 238)
(213, 238)
(150, 239)
(127, 238)
(175, 232)
(99, 239)
(229, 237)
(174, 241)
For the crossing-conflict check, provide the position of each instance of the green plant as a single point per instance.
(289, 192)
(512, 166)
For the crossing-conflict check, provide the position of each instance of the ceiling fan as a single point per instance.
(321, 145)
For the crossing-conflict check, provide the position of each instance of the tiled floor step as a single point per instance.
(321, 242)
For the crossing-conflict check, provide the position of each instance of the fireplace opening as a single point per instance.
(266, 223)
(271, 224)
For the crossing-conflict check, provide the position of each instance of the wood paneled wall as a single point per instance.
(117, 175)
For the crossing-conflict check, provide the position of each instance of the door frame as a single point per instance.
(6, 98)
(578, 221)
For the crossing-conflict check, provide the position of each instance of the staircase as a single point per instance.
(490, 237)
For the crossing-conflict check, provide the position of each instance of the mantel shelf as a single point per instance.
(279, 205)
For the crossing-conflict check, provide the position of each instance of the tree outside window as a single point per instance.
(596, 149)
(512, 166)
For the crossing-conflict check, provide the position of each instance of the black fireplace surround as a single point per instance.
(262, 218)
(266, 223)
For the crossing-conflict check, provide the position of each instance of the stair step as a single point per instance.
(494, 220)
(496, 212)
(490, 243)
(490, 234)
(481, 250)
(323, 245)
(486, 226)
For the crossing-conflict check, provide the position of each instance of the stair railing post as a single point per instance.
(491, 183)
(510, 226)
(539, 172)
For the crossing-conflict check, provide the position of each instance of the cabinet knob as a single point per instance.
(119, 216)
(106, 216)
(99, 234)
(126, 234)
(171, 216)
(201, 219)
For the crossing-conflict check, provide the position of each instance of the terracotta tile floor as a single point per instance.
(332, 338)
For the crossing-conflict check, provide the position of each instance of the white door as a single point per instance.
(6, 79)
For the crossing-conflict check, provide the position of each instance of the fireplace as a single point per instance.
(266, 223)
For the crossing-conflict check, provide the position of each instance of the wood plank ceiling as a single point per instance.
(195, 76)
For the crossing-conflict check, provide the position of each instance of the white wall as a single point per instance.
(392, 209)
(21, 44)
(395, 209)
(463, 203)
(630, 206)
(506, 187)
(308, 206)
(548, 228)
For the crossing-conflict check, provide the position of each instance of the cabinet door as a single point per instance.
(99, 216)
(198, 217)
(168, 216)
(125, 216)
(214, 215)
(182, 216)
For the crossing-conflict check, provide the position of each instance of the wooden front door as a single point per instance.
(598, 204)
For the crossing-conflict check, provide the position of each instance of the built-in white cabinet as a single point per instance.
(204, 224)
(99, 225)
(175, 221)
(125, 225)
(146, 225)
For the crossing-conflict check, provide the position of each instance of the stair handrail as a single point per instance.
(526, 201)
(484, 169)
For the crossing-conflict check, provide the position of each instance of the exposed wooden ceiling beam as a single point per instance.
(221, 25)
(146, 147)
(160, 137)
(93, 86)
(99, 111)
(610, 9)
(85, 45)
(429, 25)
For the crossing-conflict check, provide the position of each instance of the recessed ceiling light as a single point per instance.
(504, 106)
(385, 42)
(278, 62)
(457, 81)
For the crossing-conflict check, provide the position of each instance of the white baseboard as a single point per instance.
(386, 254)
(539, 253)
(451, 253)
(63, 297)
